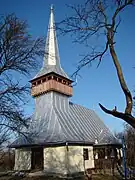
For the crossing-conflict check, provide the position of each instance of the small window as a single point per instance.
(59, 80)
(49, 78)
(34, 84)
(55, 78)
(44, 80)
(85, 154)
(64, 82)
(39, 82)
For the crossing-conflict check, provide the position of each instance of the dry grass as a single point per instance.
(94, 177)
(105, 177)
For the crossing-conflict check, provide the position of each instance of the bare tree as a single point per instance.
(19, 54)
(130, 142)
(100, 19)
(129, 136)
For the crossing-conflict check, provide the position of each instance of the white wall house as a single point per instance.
(61, 160)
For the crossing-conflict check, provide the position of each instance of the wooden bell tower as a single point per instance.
(51, 82)
(51, 76)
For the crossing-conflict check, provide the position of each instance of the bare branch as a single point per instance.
(126, 117)
(97, 19)
(89, 58)
(120, 7)
(18, 58)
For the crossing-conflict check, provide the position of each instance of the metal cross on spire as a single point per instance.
(51, 6)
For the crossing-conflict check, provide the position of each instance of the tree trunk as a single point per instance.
(127, 93)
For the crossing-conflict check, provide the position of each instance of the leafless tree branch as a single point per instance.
(97, 18)
(19, 54)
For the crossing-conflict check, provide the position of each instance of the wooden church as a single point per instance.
(62, 135)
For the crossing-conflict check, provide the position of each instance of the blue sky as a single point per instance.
(95, 85)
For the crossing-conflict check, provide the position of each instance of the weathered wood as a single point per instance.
(51, 85)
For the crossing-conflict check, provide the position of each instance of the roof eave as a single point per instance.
(50, 144)
(108, 144)
(50, 73)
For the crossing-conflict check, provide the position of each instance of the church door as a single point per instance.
(37, 158)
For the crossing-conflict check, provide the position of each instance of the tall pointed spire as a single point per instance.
(51, 57)
(51, 50)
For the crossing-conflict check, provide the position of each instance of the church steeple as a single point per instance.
(51, 77)
(51, 50)
(51, 56)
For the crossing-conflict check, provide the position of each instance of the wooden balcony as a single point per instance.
(51, 85)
